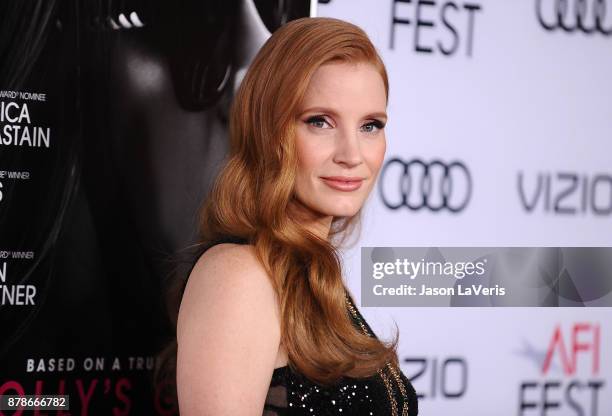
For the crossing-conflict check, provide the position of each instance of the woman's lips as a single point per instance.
(344, 184)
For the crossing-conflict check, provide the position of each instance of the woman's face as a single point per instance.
(340, 138)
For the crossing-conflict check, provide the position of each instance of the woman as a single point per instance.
(265, 322)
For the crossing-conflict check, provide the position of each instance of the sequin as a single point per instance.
(387, 393)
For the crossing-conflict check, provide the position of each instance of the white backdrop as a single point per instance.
(508, 98)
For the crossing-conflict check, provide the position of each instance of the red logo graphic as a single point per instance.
(584, 339)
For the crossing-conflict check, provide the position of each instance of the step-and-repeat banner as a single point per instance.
(499, 134)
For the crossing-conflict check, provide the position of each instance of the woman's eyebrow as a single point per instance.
(381, 114)
(320, 109)
(335, 113)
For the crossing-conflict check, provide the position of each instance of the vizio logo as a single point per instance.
(566, 193)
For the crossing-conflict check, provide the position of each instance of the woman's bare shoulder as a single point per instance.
(242, 254)
(233, 273)
(228, 304)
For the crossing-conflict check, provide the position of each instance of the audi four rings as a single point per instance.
(587, 16)
(416, 185)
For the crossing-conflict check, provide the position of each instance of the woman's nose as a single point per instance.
(348, 150)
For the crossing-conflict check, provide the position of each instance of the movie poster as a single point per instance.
(113, 124)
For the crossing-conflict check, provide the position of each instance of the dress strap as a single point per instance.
(356, 315)
(386, 373)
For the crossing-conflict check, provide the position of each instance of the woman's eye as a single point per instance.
(316, 121)
(369, 128)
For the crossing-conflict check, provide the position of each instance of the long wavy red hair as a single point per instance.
(253, 199)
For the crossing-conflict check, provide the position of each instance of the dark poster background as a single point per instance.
(113, 123)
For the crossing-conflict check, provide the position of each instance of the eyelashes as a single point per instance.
(378, 124)
(315, 119)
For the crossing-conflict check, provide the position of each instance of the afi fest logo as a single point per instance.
(569, 371)
(429, 27)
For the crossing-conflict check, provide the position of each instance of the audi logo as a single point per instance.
(416, 185)
(587, 16)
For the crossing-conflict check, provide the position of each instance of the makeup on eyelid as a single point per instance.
(319, 118)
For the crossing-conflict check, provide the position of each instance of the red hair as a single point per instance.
(253, 199)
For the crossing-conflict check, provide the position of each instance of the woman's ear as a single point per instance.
(252, 34)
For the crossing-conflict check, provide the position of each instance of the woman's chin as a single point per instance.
(344, 211)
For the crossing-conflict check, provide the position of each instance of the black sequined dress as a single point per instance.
(388, 393)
